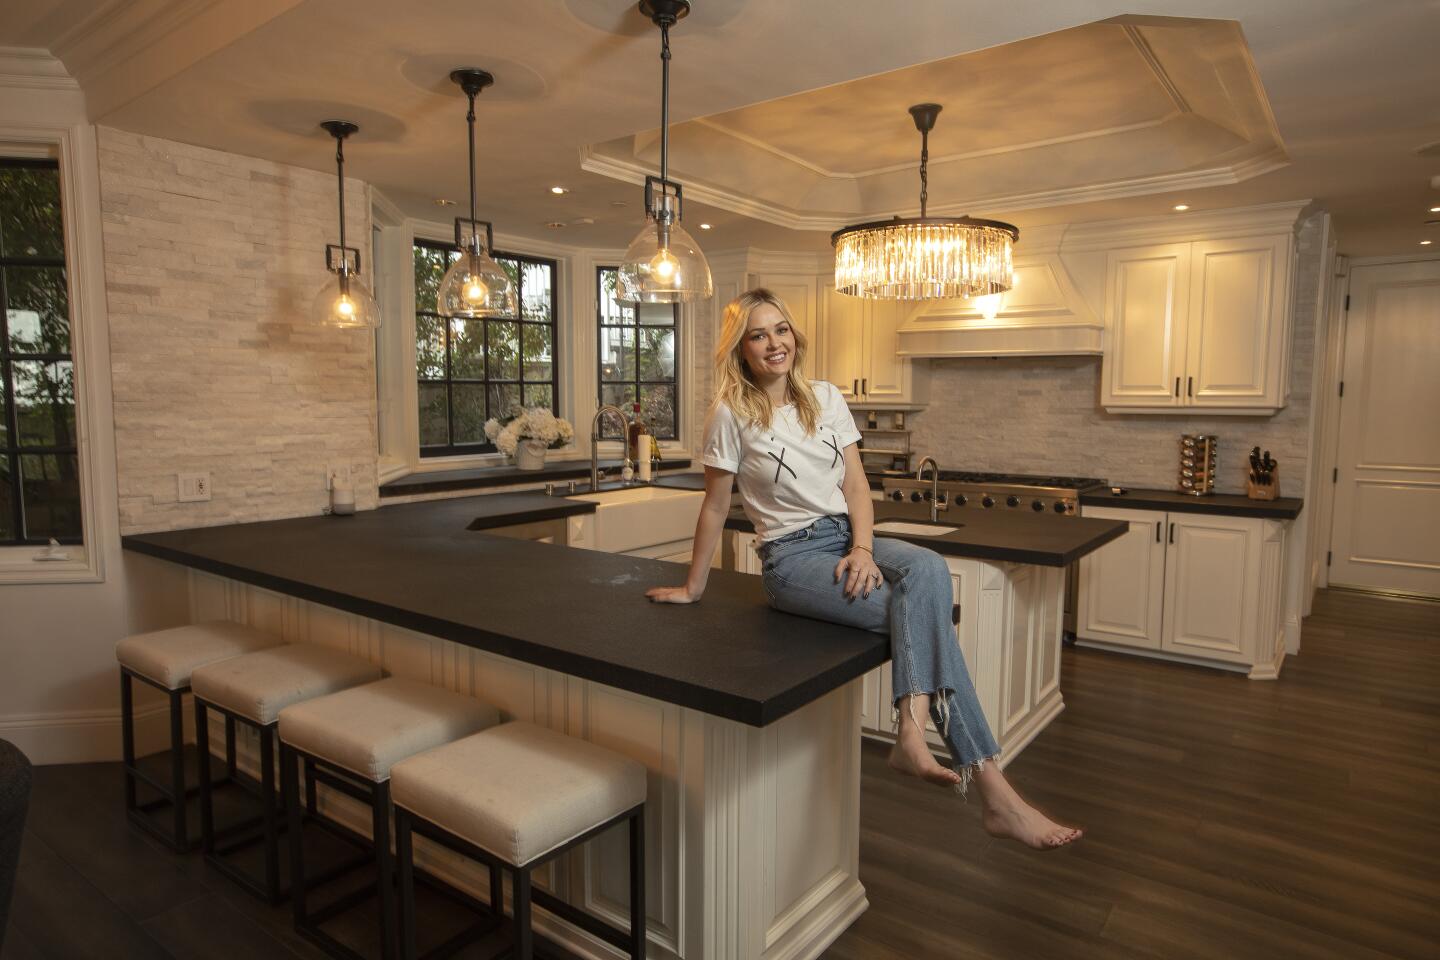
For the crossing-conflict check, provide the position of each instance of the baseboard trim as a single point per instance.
(87, 736)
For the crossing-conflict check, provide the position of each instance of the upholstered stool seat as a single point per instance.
(252, 690)
(352, 739)
(165, 659)
(517, 796)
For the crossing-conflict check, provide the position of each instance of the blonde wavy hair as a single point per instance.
(735, 385)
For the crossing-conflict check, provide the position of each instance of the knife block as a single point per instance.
(1263, 491)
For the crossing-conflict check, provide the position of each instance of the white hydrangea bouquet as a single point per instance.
(527, 433)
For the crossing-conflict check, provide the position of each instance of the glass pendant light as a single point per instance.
(925, 258)
(663, 264)
(344, 300)
(475, 285)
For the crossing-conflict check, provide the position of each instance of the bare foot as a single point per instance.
(914, 759)
(1022, 822)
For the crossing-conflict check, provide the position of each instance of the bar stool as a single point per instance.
(515, 797)
(165, 659)
(251, 690)
(352, 739)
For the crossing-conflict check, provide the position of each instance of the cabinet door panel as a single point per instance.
(1236, 322)
(1147, 296)
(843, 339)
(870, 715)
(1022, 620)
(1212, 572)
(1122, 585)
(1050, 596)
(884, 371)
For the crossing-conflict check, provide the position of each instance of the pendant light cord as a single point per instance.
(924, 176)
(664, 105)
(340, 178)
(470, 122)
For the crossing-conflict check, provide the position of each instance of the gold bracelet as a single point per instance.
(861, 546)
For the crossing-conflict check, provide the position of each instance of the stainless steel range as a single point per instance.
(1052, 496)
(996, 491)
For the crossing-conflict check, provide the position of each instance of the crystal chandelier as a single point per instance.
(924, 258)
(663, 264)
(344, 300)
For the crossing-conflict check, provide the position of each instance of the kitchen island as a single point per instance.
(747, 719)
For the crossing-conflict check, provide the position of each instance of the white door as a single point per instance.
(884, 372)
(1386, 530)
(1122, 585)
(1212, 585)
(843, 339)
(1238, 292)
(1146, 299)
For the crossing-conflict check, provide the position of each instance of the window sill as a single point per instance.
(439, 481)
(18, 566)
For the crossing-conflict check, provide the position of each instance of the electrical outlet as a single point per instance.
(192, 487)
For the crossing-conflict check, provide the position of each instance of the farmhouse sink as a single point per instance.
(633, 518)
(912, 529)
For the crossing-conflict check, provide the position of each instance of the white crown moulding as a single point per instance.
(34, 68)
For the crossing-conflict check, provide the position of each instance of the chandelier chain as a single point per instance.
(924, 165)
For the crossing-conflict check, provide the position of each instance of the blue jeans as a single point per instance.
(913, 606)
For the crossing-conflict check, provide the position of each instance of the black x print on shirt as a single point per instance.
(833, 444)
(780, 464)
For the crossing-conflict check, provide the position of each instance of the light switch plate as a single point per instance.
(192, 487)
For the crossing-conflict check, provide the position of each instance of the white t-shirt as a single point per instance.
(787, 479)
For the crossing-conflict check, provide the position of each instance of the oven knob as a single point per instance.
(1037, 506)
(896, 495)
(959, 499)
(1059, 507)
(1012, 501)
(915, 496)
(987, 502)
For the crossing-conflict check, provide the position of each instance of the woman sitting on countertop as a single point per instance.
(791, 444)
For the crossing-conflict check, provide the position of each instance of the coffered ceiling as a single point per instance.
(789, 119)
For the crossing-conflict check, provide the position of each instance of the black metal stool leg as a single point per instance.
(202, 755)
(127, 737)
(637, 885)
(405, 866)
(497, 891)
(290, 789)
(524, 936)
(177, 767)
(268, 814)
(230, 747)
(384, 867)
(311, 788)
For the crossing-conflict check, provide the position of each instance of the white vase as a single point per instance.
(530, 454)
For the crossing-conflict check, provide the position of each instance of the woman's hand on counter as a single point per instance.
(673, 594)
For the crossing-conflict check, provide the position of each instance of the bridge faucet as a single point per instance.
(595, 441)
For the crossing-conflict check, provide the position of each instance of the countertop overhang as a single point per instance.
(1004, 535)
(1220, 504)
(419, 566)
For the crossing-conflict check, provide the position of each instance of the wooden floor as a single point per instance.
(1225, 818)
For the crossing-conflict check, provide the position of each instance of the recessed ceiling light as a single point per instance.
(704, 226)
(617, 203)
(556, 225)
(1435, 209)
(558, 190)
(442, 202)
(1182, 206)
(1425, 243)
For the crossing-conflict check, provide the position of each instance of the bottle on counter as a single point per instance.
(636, 429)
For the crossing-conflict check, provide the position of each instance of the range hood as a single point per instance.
(1042, 316)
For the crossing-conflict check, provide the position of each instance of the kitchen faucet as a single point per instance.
(935, 503)
(595, 442)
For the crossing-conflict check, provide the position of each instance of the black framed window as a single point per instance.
(472, 370)
(638, 344)
(39, 456)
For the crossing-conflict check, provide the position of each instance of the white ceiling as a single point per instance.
(1353, 91)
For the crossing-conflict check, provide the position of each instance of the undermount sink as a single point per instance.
(913, 529)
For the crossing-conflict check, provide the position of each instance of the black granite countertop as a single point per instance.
(993, 534)
(1225, 504)
(481, 477)
(579, 612)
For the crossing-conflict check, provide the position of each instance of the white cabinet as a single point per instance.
(861, 340)
(1200, 325)
(1122, 585)
(1202, 588)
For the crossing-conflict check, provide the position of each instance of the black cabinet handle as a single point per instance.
(864, 385)
(1172, 533)
(1190, 386)
(1177, 386)
(855, 387)
(1157, 531)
